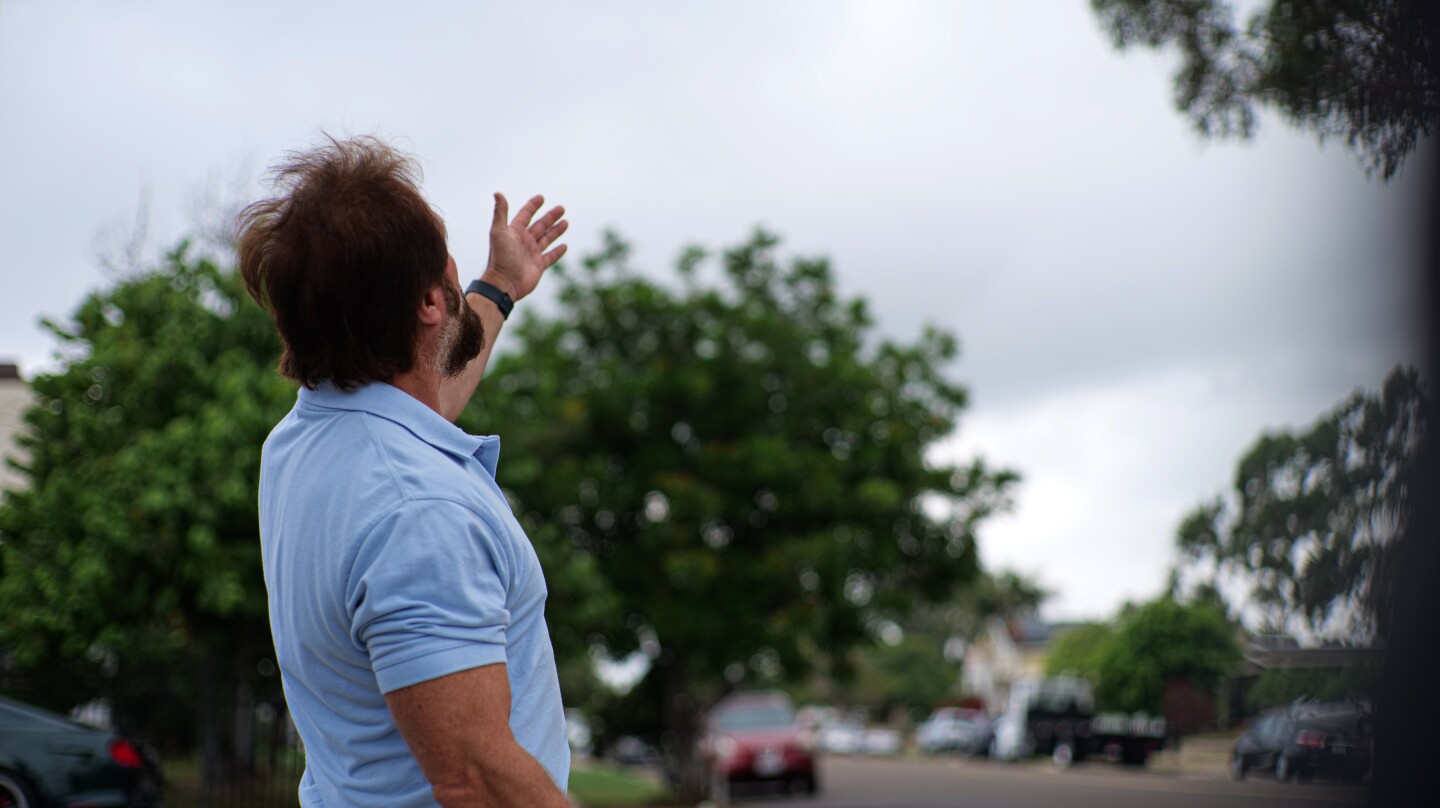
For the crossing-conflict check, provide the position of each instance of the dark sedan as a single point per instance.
(1303, 740)
(47, 759)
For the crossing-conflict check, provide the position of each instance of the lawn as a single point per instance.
(602, 786)
(591, 786)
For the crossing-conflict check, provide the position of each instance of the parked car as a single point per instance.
(1306, 739)
(880, 741)
(47, 759)
(955, 729)
(578, 732)
(753, 738)
(632, 750)
(843, 737)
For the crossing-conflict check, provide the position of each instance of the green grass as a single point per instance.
(597, 786)
(608, 787)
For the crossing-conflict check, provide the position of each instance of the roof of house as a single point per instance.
(1260, 658)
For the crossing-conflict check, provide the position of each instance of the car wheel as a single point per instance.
(1284, 769)
(14, 793)
(1237, 767)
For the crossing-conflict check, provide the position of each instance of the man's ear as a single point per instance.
(432, 306)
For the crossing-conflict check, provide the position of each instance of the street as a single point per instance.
(847, 782)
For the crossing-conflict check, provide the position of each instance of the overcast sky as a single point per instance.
(1134, 306)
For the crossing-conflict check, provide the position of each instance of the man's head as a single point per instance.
(345, 256)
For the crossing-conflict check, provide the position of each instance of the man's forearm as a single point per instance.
(455, 392)
(458, 728)
(508, 777)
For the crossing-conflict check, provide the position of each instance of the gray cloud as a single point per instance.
(993, 168)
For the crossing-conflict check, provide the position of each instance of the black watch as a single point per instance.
(495, 294)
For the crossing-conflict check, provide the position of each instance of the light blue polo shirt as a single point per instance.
(392, 558)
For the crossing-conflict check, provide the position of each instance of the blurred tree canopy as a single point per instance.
(1080, 651)
(1311, 524)
(1130, 659)
(1162, 641)
(130, 565)
(741, 463)
(922, 669)
(1359, 70)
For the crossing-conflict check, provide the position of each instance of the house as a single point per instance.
(14, 400)
(1006, 651)
(1261, 654)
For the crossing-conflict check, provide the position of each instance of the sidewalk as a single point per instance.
(1200, 756)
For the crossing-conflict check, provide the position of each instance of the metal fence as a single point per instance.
(222, 741)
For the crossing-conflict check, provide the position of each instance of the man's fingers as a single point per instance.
(548, 259)
(502, 211)
(525, 214)
(545, 222)
(548, 237)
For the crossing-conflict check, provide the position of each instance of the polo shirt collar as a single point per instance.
(394, 404)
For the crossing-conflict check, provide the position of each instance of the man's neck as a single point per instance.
(421, 385)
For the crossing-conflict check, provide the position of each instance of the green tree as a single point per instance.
(1162, 641)
(1310, 525)
(921, 669)
(912, 673)
(129, 566)
(1363, 71)
(1277, 686)
(739, 460)
(1080, 651)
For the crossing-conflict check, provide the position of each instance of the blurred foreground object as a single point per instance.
(46, 759)
(1359, 70)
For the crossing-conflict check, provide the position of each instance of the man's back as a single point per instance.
(391, 558)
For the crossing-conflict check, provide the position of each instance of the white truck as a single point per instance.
(1055, 717)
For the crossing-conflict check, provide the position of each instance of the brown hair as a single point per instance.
(341, 256)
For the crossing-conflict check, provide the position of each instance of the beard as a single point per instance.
(462, 338)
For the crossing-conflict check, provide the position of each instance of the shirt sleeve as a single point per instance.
(427, 594)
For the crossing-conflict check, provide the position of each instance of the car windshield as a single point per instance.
(767, 716)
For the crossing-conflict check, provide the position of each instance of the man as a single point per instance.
(406, 603)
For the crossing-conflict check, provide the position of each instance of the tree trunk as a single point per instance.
(685, 769)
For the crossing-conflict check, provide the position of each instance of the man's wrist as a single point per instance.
(495, 294)
(500, 281)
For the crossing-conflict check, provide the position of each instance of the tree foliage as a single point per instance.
(1309, 527)
(132, 556)
(1161, 641)
(739, 461)
(1363, 71)
(913, 673)
(1130, 659)
(1277, 686)
(1080, 651)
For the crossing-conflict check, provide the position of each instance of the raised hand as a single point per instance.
(518, 254)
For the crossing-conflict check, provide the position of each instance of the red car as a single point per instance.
(752, 738)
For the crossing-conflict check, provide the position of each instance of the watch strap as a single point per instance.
(492, 292)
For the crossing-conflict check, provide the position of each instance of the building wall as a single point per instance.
(14, 400)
